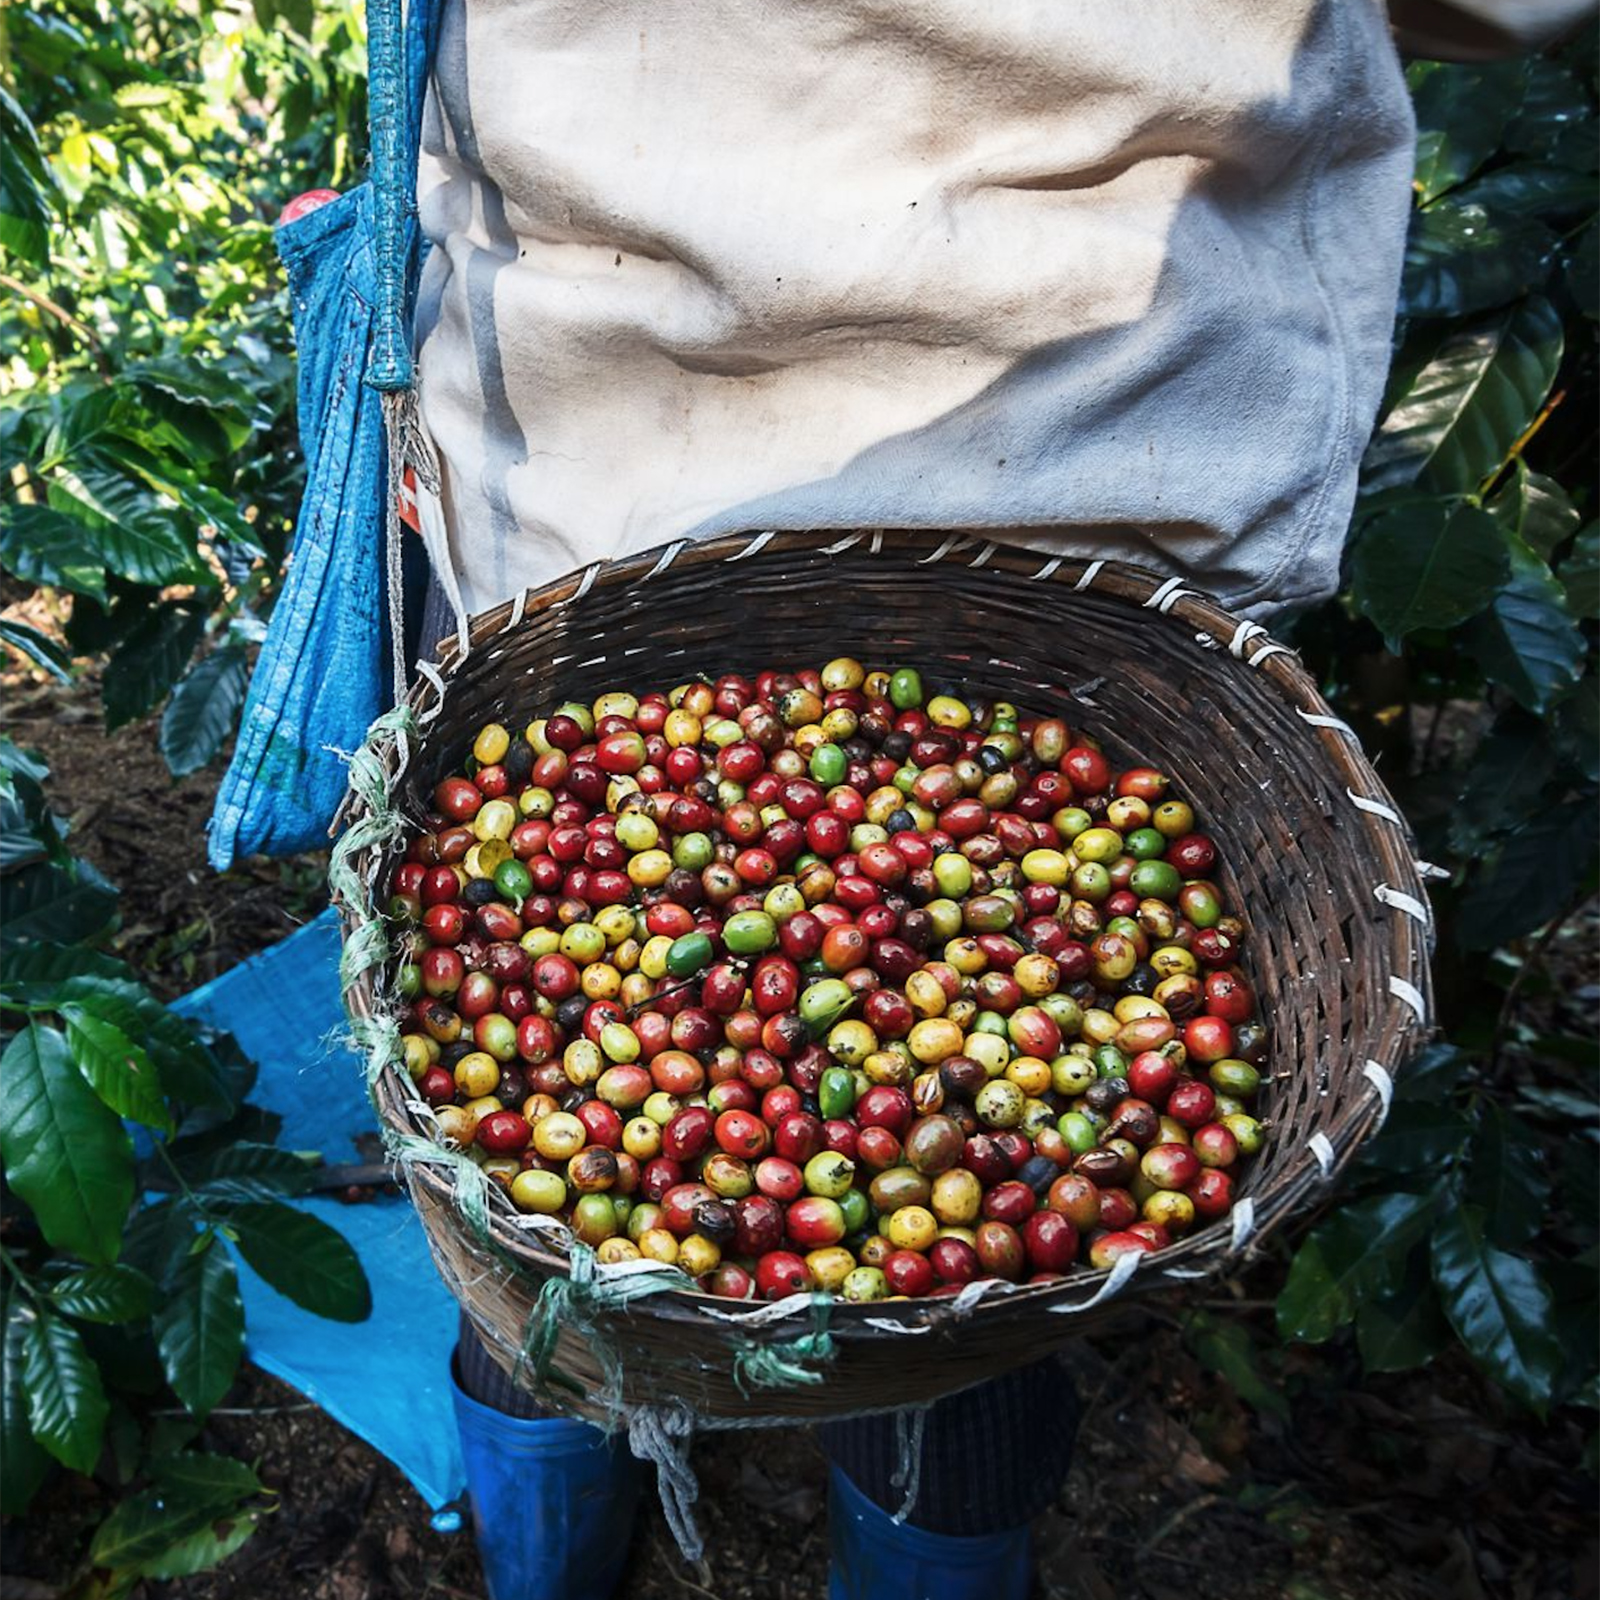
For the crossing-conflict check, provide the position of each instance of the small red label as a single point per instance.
(406, 501)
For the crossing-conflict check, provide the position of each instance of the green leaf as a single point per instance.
(1499, 1308)
(203, 710)
(1580, 574)
(1553, 194)
(65, 1153)
(118, 1293)
(1583, 272)
(117, 1069)
(160, 1238)
(1427, 565)
(143, 1531)
(1467, 406)
(1419, 1136)
(1527, 642)
(1359, 1250)
(34, 974)
(56, 904)
(133, 534)
(1402, 1328)
(1461, 259)
(199, 1329)
(1503, 784)
(38, 647)
(23, 1461)
(1461, 111)
(150, 660)
(1575, 726)
(41, 545)
(66, 1400)
(286, 1171)
(1431, 1074)
(25, 186)
(1507, 1179)
(303, 1258)
(1535, 874)
(203, 1549)
(1536, 510)
(1555, 103)
(1227, 1348)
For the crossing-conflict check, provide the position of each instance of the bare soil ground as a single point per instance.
(1415, 1487)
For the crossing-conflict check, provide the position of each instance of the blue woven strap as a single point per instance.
(397, 54)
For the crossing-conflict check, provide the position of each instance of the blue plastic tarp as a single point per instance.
(386, 1379)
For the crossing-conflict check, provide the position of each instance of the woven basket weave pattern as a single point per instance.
(1315, 858)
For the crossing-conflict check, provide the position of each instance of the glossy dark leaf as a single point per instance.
(55, 904)
(1498, 1306)
(144, 1532)
(1429, 564)
(1418, 1137)
(1527, 641)
(1535, 509)
(1403, 1328)
(159, 1239)
(1462, 109)
(1361, 1249)
(203, 710)
(205, 1548)
(1467, 406)
(66, 1399)
(1525, 189)
(286, 1171)
(1507, 1179)
(35, 973)
(1534, 875)
(1554, 105)
(1575, 725)
(1431, 1074)
(116, 1293)
(66, 1154)
(1583, 272)
(146, 665)
(1580, 574)
(118, 1070)
(303, 1258)
(39, 648)
(24, 1462)
(133, 529)
(1462, 259)
(1503, 784)
(200, 1328)
(42, 545)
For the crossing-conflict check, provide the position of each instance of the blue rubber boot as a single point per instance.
(552, 1503)
(872, 1559)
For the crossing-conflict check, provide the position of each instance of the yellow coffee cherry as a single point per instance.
(491, 744)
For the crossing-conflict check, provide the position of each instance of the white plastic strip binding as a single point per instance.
(1167, 595)
(1401, 901)
(982, 557)
(586, 583)
(518, 606)
(756, 545)
(1378, 1076)
(1122, 1269)
(1375, 808)
(1317, 720)
(1049, 569)
(1427, 869)
(1244, 1223)
(665, 559)
(1322, 1148)
(952, 542)
(1090, 573)
(1242, 635)
(875, 543)
(1410, 994)
(432, 674)
(843, 545)
(884, 1325)
(972, 1293)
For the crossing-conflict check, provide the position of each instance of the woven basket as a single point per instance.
(1316, 856)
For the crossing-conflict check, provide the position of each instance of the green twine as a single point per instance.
(779, 1366)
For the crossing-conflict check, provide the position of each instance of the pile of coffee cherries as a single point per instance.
(819, 980)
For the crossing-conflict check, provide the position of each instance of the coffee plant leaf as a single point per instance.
(304, 1259)
(1527, 641)
(199, 1327)
(67, 1404)
(1429, 564)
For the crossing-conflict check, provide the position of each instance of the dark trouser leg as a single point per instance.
(993, 1457)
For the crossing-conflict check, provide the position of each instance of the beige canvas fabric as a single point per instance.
(1118, 274)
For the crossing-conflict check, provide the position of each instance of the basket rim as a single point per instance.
(1408, 1002)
